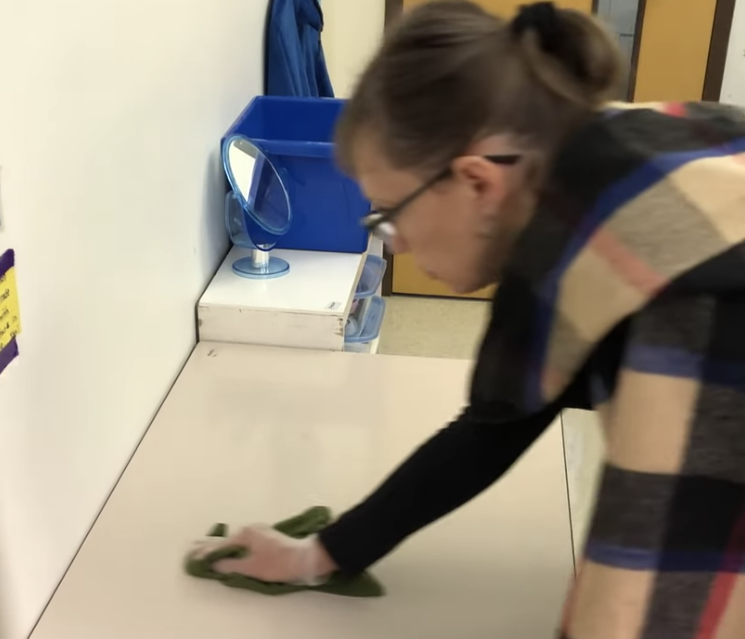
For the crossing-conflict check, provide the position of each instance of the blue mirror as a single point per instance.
(257, 210)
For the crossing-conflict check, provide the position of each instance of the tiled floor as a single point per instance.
(429, 327)
(443, 328)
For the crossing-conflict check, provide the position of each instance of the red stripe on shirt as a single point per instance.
(724, 584)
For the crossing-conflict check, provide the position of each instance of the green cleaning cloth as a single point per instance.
(308, 523)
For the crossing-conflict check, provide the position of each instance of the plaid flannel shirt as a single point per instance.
(631, 277)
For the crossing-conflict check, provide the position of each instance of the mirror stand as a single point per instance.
(260, 265)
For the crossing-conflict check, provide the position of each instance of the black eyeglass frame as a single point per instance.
(379, 222)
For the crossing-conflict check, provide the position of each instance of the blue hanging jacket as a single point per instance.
(295, 64)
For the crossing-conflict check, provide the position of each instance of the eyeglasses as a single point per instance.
(380, 221)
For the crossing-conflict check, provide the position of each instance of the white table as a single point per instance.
(584, 446)
(253, 433)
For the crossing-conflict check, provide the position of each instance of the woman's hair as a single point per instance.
(449, 73)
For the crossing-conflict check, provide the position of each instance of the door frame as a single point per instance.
(720, 35)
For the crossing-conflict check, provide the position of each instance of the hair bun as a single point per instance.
(556, 35)
(541, 17)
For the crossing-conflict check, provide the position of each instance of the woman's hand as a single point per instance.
(272, 557)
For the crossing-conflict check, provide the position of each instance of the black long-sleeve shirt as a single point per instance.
(450, 469)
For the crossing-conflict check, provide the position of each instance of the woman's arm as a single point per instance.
(449, 470)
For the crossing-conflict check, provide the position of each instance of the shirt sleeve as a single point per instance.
(450, 469)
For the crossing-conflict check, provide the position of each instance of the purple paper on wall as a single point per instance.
(10, 351)
(8, 354)
(7, 261)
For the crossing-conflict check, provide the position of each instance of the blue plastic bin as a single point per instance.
(296, 134)
(371, 277)
(366, 329)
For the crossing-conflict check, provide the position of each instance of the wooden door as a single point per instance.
(408, 279)
(673, 49)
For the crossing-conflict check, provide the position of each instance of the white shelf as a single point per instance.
(319, 283)
(307, 308)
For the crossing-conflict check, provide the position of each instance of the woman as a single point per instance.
(617, 235)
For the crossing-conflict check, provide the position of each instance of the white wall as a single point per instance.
(110, 117)
(352, 32)
(733, 86)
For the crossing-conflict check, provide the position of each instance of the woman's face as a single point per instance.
(459, 230)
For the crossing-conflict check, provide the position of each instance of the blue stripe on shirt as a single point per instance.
(674, 362)
(639, 559)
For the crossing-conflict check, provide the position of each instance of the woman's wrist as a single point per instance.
(325, 563)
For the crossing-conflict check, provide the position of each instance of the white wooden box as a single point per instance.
(307, 308)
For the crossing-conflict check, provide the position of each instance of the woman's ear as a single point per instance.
(486, 178)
